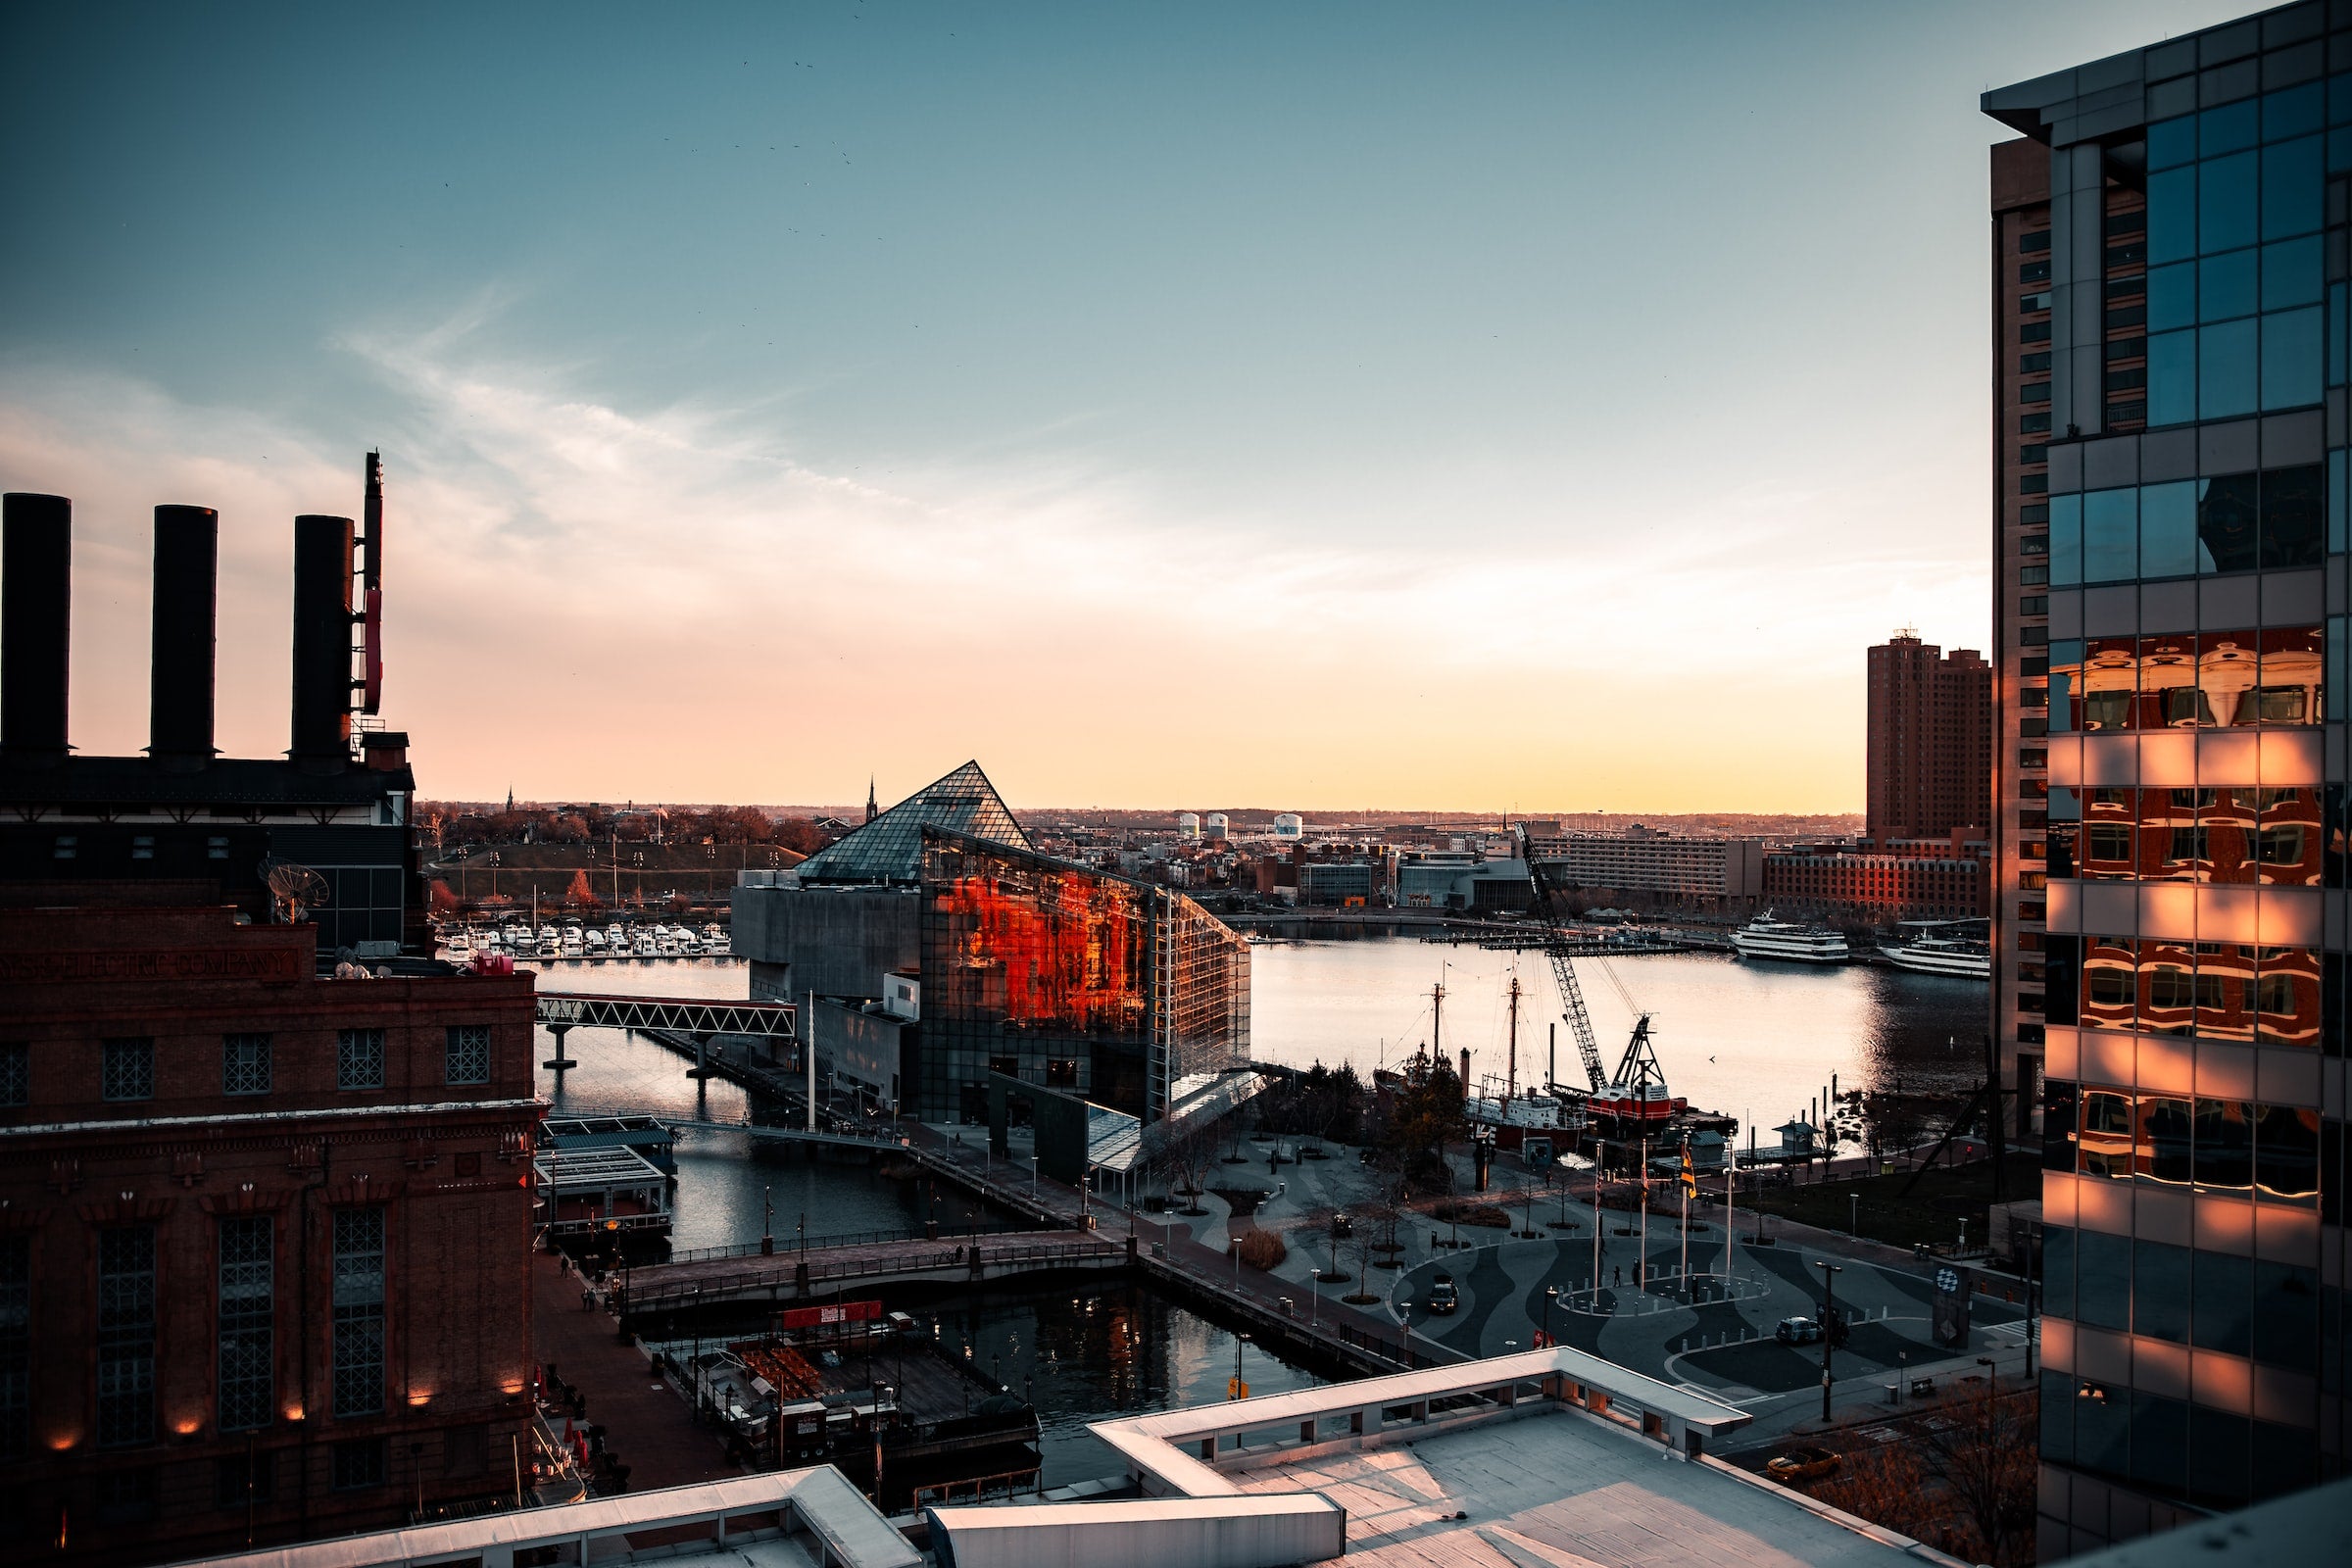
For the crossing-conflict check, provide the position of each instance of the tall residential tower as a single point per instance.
(1930, 753)
(2169, 345)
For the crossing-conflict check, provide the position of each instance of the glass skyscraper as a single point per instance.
(2170, 314)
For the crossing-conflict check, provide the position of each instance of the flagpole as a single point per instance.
(1601, 1154)
(1688, 1179)
(1641, 1262)
(1731, 1164)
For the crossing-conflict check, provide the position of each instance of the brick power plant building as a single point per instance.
(263, 1231)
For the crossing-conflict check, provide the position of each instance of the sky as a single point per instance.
(1512, 406)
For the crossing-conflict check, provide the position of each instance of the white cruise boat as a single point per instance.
(1959, 957)
(593, 942)
(1767, 938)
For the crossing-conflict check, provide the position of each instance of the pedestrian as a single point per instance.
(588, 1300)
(1619, 1274)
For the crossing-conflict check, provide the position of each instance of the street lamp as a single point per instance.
(1853, 1220)
(1829, 1312)
(1551, 1293)
(1033, 1178)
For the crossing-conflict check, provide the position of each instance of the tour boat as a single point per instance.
(1767, 938)
(1957, 957)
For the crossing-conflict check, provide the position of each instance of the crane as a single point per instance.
(1638, 1086)
(1563, 971)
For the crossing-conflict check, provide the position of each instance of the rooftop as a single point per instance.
(783, 1519)
(1548, 1458)
(890, 848)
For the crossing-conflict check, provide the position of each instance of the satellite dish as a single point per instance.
(294, 890)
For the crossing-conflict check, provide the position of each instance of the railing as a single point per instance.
(666, 1294)
(797, 1245)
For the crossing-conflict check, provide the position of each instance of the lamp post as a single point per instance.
(1551, 1293)
(1853, 1216)
(1828, 1283)
(1033, 1179)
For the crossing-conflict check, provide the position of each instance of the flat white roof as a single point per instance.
(1539, 1483)
(1564, 1489)
(856, 1534)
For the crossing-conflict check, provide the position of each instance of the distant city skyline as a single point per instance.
(1158, 403)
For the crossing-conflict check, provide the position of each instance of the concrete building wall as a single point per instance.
(837, 942)
(869, 1047)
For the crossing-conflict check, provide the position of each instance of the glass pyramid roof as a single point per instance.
(890, 848)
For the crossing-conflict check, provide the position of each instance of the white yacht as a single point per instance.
(573, 945)
(645, 944)
(617, 940)
(1939, 950)
(1768, 938)
(592, 942)
(714, 938)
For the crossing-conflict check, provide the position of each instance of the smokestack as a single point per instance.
(180, 684)
(322, 559)
(36, 585)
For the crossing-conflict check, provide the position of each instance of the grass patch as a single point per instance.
(1931, 1213)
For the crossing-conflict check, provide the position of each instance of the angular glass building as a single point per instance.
(1125, 993)
(2171, 323)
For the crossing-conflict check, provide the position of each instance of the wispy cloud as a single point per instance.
(599, 600)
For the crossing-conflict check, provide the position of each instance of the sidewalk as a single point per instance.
(647, 1423)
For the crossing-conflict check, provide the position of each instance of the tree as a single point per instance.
(1426, 1115)
(580, 893)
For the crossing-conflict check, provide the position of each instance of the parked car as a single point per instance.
(1442, 1297)
(1801, 1464)
(1797, 1331)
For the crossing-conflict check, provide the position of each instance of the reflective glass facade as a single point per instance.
(889, 849)
(1070, 979)
(2171, 909)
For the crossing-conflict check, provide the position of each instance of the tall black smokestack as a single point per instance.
(322, 558)
(36, 590)
(180, 682)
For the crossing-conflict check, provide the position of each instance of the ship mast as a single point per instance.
(1510, 1082)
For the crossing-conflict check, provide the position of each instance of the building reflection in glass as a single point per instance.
(2239, 836)
(2215, 990)
(2179, 680)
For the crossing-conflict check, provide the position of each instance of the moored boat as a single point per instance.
(1768, 938)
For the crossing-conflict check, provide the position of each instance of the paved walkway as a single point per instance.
(647, 1423)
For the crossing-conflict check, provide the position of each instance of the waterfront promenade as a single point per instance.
(647, 1421)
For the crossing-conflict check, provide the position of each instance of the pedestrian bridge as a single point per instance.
(577, 1009)
(796, 1274)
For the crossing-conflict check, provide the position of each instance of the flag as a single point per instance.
(1689, 1177)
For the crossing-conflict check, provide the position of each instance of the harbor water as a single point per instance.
(1755, 1041)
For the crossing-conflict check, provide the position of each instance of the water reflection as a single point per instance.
(1748, 1039)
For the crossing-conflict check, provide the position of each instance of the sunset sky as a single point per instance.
(1511, 406)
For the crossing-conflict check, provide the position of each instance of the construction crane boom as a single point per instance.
(1563, 971)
